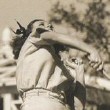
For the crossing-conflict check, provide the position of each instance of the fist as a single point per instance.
(74, 63)
(95, 60)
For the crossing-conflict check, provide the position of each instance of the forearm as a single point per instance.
(80, 75)
(67, 40)
(80, 91)
(79, 96)
(76, 65)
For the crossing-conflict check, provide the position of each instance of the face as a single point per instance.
(43, 25)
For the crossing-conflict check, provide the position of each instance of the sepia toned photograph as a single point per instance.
(55, 55)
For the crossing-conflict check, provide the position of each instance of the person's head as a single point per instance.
(39, 26)
(35, 27)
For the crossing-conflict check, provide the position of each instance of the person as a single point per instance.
(43, 80)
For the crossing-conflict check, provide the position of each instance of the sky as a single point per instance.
(22, 10)
(26, 10)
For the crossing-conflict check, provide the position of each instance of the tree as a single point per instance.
(93, 22)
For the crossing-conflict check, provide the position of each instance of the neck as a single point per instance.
(37, 35)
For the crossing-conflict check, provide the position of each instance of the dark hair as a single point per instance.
(21, 36)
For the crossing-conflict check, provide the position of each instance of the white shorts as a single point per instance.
(42, 100)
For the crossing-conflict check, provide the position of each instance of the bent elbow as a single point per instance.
(79, 107)
(78, 104)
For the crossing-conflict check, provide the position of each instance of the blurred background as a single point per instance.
(88, 20)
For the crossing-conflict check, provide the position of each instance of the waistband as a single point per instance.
(44, 93)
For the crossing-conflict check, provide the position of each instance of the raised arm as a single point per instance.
(67, 40)
(94, 57)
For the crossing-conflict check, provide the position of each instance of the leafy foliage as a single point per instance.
(93, 22)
